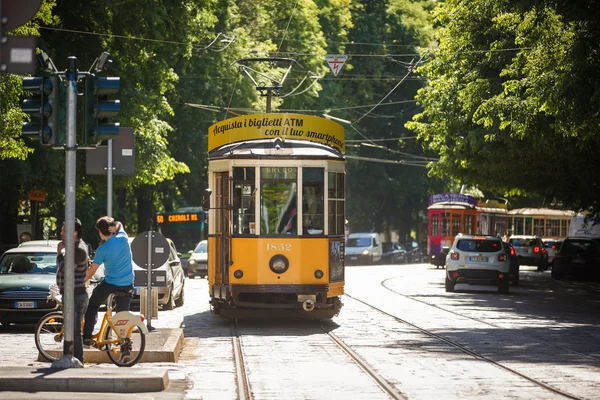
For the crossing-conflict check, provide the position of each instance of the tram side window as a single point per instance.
(243, 201)
(445, 224)
(435, 225)
(313, 181)
(455, 224)
(469, 224)
(336, 192)
(278, 201)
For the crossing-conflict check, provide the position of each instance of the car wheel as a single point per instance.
(202, 276)
(503, 286)
(449, 285)
(181, 299)
(169, 304)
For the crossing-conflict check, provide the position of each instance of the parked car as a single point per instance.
(393, 253)
(577, 256)
(530, 250)
(415, 253)
(197, 264)
(363, 248)
(477, 260)
(552, 246)
(173, 293)
(26, 274)
(514, 268)
(45, 242)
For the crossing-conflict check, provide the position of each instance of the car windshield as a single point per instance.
(28, 263)
(201, 248)
(523, 242)
(483, 246)
(359, 242)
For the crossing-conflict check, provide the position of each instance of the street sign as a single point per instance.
(17, 54)
(18, 12)
(336, 62)
(123, 156)
(37, 195)
(159, 250)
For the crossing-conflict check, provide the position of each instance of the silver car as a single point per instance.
(530, 250)
(198, 263)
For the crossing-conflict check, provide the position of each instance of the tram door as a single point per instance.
(222, 218)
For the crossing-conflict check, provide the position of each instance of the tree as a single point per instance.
(511, 102)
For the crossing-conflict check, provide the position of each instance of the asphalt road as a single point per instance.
(539, 341)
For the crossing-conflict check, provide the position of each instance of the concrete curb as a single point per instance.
(114, 380)
(162, 345)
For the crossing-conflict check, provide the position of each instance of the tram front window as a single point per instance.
(278, 201)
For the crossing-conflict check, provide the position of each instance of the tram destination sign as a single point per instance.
(452, 198)
(271, 126)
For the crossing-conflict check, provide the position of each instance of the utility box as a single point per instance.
(144, 301)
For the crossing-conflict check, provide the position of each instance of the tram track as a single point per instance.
(244, 391)
(380, 380)
(464, 349)
(243, 386)
(537, 340)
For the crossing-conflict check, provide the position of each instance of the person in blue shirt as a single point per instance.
(115, 254)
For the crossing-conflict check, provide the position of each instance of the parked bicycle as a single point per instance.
(122, 335)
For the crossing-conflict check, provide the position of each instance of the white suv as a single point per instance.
(477, 260)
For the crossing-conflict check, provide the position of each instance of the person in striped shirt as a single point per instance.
(82, 263)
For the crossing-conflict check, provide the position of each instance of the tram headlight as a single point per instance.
(238, 273)
(279, 264)
(319, 274)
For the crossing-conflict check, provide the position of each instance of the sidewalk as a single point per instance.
(162, 345)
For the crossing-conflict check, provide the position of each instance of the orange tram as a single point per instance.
(276, 202)
(453, 213)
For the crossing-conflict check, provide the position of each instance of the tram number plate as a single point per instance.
(354, 258)
(478, 259)
(25, 304)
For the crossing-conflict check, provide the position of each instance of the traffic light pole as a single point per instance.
(68, 361)
(109, 178)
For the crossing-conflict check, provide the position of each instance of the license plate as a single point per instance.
(354, 258)
(478, 259)
(25, 304)
(578, 261)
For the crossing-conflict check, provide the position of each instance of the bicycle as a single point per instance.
(122, 335)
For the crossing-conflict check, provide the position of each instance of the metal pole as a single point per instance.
(149, 283)
(68, 360)
(109, 176)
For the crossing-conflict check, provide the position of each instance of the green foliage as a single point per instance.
(172, 55)
(511, 103)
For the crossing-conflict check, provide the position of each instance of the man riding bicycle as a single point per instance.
(115, 254)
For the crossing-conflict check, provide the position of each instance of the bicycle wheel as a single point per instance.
(49, 336)
(130, 351)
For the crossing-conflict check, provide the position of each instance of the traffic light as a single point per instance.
(47, 116)
(99, 110)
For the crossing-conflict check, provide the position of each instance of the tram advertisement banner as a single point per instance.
(271, 126)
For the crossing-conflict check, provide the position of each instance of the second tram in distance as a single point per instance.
(276, 220)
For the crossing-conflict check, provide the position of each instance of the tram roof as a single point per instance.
(548, 212)
(276, 148)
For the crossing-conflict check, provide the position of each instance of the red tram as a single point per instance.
(452, 213)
